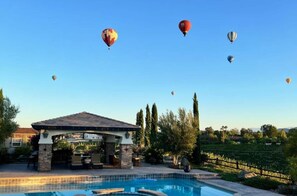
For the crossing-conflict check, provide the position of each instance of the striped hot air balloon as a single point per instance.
(184, 26)
(109, 36)
(230, 58)
(232, 36)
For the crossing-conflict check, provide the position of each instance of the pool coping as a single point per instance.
(66, 179)
(25, 184)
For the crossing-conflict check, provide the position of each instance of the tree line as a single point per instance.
(267, 134)
(147, 136)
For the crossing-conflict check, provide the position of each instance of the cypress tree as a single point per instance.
(1, 105)
(141, 132)
(137, 133)
(196, 111)
(147, 126)
(197, 149)
(1, 108)
(154, 130)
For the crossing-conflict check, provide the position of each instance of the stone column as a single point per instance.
(126, 156)
(109, 147)
(45, 151)
(126, 150)
(45, 157)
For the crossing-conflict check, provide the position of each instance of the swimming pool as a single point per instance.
(169, 186)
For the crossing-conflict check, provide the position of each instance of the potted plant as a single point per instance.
(187, 168)
(186, 164)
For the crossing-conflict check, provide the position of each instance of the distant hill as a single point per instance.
(255, 129)
(286, 129)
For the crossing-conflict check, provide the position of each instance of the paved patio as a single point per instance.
(21, 170)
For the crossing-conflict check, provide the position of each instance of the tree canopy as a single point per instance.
(178, 133)
(291, 131)
(283, 135)
(291, 153)
(269, 130)
(291, 145)
(8, 113)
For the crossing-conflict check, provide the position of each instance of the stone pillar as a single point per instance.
(45, 151)
(126, 150)
(45, 157)
(109, 147)
(126, 156)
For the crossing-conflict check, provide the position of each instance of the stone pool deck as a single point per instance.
(14, 173)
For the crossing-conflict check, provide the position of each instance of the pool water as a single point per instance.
(169, 186)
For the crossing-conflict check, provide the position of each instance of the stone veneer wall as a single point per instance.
(109, 150)
(126, 156)
(45, 157)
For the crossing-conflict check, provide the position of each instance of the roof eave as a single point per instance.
(83, 128)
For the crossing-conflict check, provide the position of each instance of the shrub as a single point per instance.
(230, 177)
(153, 156)
(287, 189)
(293, 168)
(262, 183)
(204, 158)
(23, 151)
(4, 158)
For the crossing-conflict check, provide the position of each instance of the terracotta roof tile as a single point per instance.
(26, 130)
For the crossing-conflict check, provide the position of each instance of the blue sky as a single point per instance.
(150, 59)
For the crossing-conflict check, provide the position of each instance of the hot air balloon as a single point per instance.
(184, 26)
(54, 77)
(288, 80)
(232, 36)
(230, 58)
(172, 93)
(109, 36)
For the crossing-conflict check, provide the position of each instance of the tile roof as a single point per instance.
(85, 121)
(26, 130)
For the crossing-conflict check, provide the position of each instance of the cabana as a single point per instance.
(85, 122)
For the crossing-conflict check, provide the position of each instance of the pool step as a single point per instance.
(107, 191)
(151, 192)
